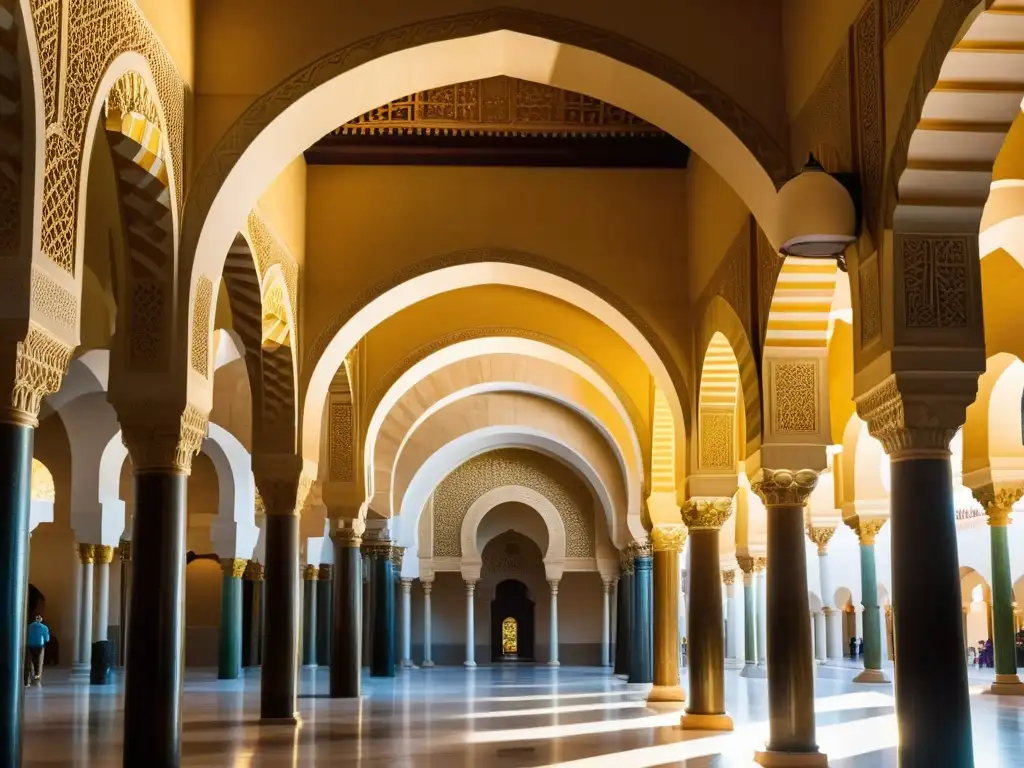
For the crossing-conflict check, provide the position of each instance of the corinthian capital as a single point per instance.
(784, 487)
(668, 538)
(31, 369)
(998, 502)
(821, 537)
(706, 514)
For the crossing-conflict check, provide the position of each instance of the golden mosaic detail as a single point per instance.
(706, 514)
(42, 482)
(512, 466)
(668, 538)
(795, 393)
(784, 487)
(716, 439)
(41, 361)
(200, 352)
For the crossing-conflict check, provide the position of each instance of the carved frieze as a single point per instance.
(868, 80)
(935, 273)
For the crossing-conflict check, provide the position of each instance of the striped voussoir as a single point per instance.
(800, 308)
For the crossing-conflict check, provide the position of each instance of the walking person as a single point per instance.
(37, 637)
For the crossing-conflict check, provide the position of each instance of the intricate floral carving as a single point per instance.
(40, 362)
(716, 438)
(86, 553)
(935, 280)
(998, 502)
(795, 394)
(668, 538)
(53, 302)
(159, 438)
(626, 561)
(822, 126)
(867, 528)
(784, 487)
(729, 577)
(104, 554)
(870, 301)
(769, 265)
(870, 103)
(641, 549)
(706, 514)
(821, 536)
(200, 352)
(234, 567)
(268, 251)
(896, 12)
(342, 466)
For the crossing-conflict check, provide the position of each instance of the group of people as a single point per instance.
(985, 656)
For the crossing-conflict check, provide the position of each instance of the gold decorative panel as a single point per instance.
(716, 439)
(513, 466)
(341, 464)
(201, 326)
(502, 106)
(795, 396)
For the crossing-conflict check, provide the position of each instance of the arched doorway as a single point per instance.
(512, 609)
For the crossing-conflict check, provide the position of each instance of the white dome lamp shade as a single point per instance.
(817, 216)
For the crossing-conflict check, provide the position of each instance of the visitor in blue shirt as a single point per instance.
(38, 637)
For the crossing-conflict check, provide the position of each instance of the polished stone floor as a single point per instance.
(510, 716)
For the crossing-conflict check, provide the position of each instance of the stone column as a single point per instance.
(229, 639)
(347, 608)
(324, 625)
(382, 661)
(750, 668)
(731, 616)
(789, 652)
(87, 556)
(470, 661)
(821, 536)
(761, 580)
(624, 614)
(310, 576)
(428, 650)
(606, 621)
(641, 668)
(668, 542)
(820, 631)
(866, 530)
(705, 639)
(553, 625)
(254, 576)
(998, 503)
(101, 620)
(407, 624)
(125, 555)
(161, 455)
(613, 629)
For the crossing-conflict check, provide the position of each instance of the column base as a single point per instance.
(753, 671)
(554, 664)
(427, 664)
(469, 664)
(310, 666)
(1007, 685)
(772, 759)
(294, 720)
(699, 722)
(871, 676)
(406, 664)
(734, 664)
(667, 693)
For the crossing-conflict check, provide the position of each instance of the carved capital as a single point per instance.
(820, 536)
(125, 551)
(746, 563)
(324, 572)
(866, 528)
(310, 572)
(33, 368)
(234, 566)
(729, 577)
(347, 530)
(428, 587)
(706, 514)
(918, 415)
(760, 564)
(86, 554)
(377, 548)
(668, 538)
(254, 571)
(397, 554)
(784, 487)
(160, 437)
(626, 559)
(641, 548)
(104, 554)
(998, 502)
(282, 484)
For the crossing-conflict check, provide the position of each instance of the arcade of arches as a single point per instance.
(343, 341)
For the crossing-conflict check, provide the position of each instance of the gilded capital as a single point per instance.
(626, 559)
(746, 563)
(125, 551)
(641, 548)
(234, 566)
(86, 553)
(784, 487)
(397, 554)
(104, 554)
(821, 537)
(867, 528)
(33, 369)
(668, 538)
(729, 577)
(254, 571)
(310, 572)
(998, 502)
(374, 548)
(324, 574)
(760, 563)
(706, 514)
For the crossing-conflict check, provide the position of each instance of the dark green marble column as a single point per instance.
(641, 668)
(279, 680)
(323, 616)
(15, 498)
(252, 615)
(153, 672)
(346, 612)
(382, 663)
(624, 614)
(866, 532)
(309, 618)
(229, 651)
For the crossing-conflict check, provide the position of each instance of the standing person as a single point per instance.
(38, 637)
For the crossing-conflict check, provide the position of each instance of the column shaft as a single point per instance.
(229, 656)
(732, 621)
(309, 602)
(470, 628)
(932, 702)
(624, 623)
(606, 620)
(1002, 604)
(428, 651)
(383, 662)
(872, 617)
(820, 632)
(761, 580)
(641, 668)
(101, 622)
(85, 618)
(126, 596)
(346, 616)
(153, 673)
(324, 623)
(406, 623)
(15, 498)
(279, 680)
(749, 622)
(553, 626)
(666, 620)
(705, 640)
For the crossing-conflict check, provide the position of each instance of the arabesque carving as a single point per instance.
(40, 362)
(784, 487)
(641, 549)
(935, 279)
(822, 127)
(200, 351)
(159, 438)
(668, 538)
(717, 436)
(821, 536)
(869, 79)
(998, 502)
(706, 514)
(626, 561)
(870, 300)
(867, 529)
(795, 395)
(341, 455)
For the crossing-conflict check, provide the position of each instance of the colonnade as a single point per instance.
(92, 601)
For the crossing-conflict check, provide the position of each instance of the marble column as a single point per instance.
(750, 668)
(406, 623)
(125, 556)
(821, 536)
(625, 614)
(553, 624)
(324, 601)
(732, 617)
(470, 661)
(254, 610)
(87, 557)
(382, 662)
(820, 631)
(998, 505)
(101, 619)
(279, 678)
(229, 636)
(667, 541)
(705, 640)
(866, 530)
(613, 630)
(16, 435)
(789, 651)
(428, 650)
(761, 580)
(641, 668)
(606, 621)
(310, 574)
(347, 608)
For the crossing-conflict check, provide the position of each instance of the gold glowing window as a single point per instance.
(509, 636)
